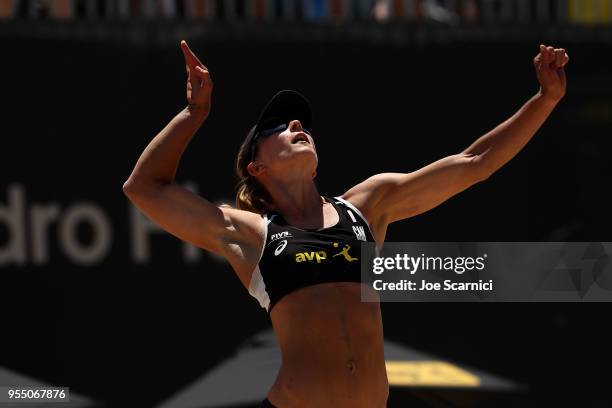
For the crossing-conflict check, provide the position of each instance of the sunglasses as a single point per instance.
(270, 131)
(275, 129)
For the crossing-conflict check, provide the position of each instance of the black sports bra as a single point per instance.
(293, 258)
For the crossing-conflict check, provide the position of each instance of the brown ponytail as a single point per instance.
(251, 195)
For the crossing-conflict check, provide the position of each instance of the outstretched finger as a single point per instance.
(190, 57)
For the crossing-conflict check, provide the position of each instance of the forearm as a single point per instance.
(159, 161)
(501, 144)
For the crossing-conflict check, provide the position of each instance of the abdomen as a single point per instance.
(332, 348)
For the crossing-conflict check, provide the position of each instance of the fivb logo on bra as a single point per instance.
(280, 235)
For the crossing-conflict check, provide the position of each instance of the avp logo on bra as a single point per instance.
(318, 256)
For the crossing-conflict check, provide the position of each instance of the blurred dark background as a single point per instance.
(96, 299)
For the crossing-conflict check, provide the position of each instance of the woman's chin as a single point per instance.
(303, 152)
(301, 146)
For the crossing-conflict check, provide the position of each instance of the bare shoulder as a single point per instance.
(365, 196)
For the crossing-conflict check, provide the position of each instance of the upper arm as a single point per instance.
(191, 218)
(396, 196)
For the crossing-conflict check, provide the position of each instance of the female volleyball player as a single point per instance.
(297, 251)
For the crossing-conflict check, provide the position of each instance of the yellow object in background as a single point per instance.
(429, 373)
(590, 11)
(606, 11)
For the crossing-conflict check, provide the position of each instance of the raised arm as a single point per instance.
(389, 197)
(232, 233)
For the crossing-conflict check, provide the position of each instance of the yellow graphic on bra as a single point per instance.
(345, 253)
(311, 256)
(318, 256)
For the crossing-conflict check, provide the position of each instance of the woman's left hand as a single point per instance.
(549, 65)
(199, 83)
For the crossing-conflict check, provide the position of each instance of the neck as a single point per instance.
(297, 199)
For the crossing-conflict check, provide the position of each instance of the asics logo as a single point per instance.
(280, 247)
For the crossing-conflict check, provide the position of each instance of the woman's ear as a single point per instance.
(255, 169)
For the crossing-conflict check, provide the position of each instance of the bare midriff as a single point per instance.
(332, 348)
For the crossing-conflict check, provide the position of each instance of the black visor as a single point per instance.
(285, 106)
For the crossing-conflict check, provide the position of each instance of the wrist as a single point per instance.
(548, 98)
(197, 113)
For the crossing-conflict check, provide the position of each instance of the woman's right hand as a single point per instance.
(199, 84)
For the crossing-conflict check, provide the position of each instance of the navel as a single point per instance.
(351, 366)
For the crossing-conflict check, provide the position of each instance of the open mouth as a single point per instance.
(300, 137)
